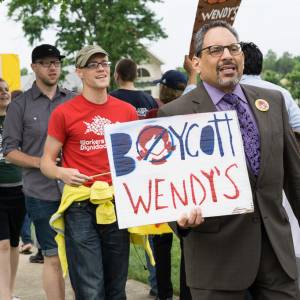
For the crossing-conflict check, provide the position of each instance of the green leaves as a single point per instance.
(119, 26)
(284, 71)
(293, 80)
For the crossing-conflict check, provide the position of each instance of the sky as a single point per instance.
(268, 23)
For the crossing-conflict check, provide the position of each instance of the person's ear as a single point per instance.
(196, 62)
(116, 76)
(79, 73)
(243, 63)
(33, 67)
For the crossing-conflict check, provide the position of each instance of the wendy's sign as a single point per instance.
(209, 10)
(163, 167)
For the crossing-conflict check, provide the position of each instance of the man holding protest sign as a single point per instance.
(227, 255)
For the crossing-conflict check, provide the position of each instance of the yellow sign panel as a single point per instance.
(10, 70)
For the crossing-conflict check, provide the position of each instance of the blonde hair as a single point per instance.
(167, 94)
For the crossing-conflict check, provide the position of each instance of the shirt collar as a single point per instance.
(216, 95)
(248, 76)
(36, 92)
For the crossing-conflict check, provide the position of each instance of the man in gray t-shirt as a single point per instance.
(24, 136)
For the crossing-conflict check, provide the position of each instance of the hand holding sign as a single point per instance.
(194, 218)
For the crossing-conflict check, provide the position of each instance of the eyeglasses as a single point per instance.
(218, 50)
(47, 64)
(95, 65)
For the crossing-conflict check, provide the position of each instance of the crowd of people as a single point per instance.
(49, 176)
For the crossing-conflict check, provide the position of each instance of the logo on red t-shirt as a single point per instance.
(97, 125)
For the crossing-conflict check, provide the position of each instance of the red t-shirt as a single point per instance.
(79, 125)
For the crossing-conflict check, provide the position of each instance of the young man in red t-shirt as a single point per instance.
(97, 254)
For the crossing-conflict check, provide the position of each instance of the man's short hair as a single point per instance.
(253, 59)
(199, 38)
(126, 68)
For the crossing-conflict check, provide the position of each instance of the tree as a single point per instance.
(119, 26)
(284, 71)
(285, 63)
(272, 76)
(24, 71)
(293, 81)
(270, 61)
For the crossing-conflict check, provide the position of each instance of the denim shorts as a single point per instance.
(40, 212)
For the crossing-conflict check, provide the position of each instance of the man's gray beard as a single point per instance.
(226, 83)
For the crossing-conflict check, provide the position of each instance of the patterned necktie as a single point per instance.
(248, 130)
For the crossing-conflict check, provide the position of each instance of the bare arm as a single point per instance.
(49, 168)
(191, 72)
(23, 160)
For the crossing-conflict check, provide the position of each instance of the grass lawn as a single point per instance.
(137, 264)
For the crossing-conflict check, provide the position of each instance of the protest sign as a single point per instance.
(209, 10)
(10, 70)
(162, 167)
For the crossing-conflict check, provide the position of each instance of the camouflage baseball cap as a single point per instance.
(85, 54)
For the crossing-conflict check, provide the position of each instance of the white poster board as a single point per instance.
(162, 167)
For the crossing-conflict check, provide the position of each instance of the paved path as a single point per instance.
(29, 283)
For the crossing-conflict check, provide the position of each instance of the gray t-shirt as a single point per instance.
(25, 129)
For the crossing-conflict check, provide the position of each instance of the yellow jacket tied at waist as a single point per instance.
(101, 194)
